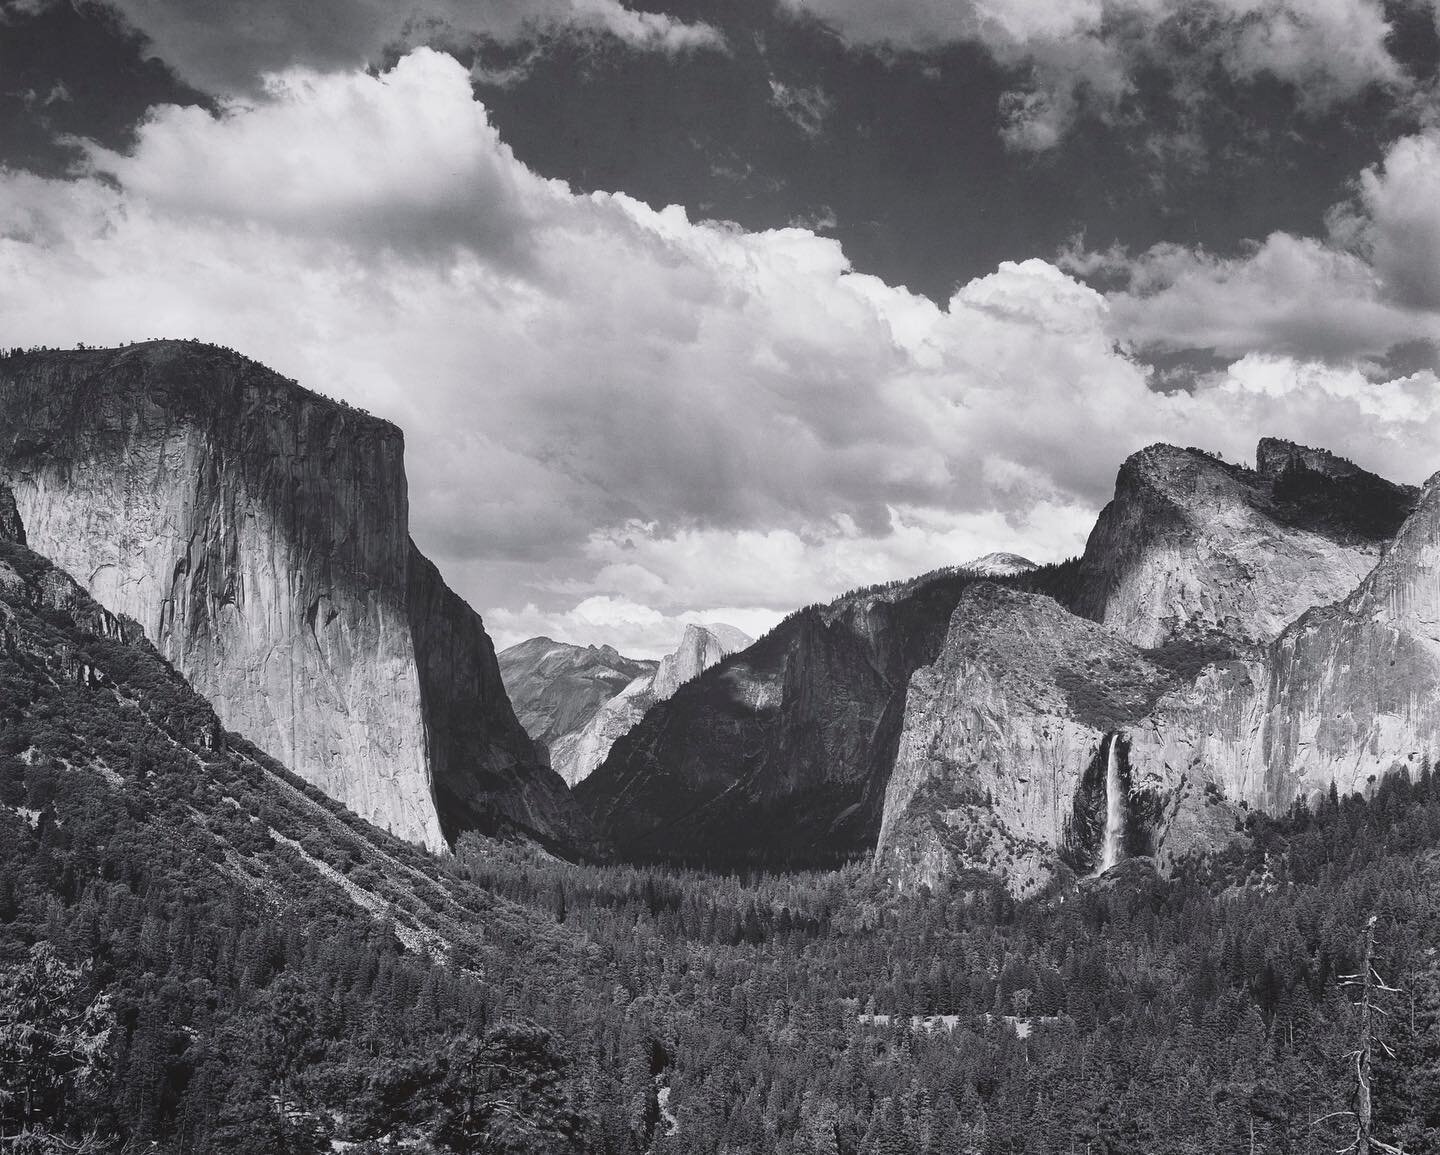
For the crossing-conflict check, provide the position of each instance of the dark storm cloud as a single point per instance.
(73, 70)
(905, 152)
(1084, 56)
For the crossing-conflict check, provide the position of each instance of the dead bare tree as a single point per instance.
(1370, 985)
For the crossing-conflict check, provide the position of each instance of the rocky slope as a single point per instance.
(997, 734)
(576, 755)
(258, 533)
(557, 688)
(1193, 546)
(780, 754)
(1001, 762)
(1354, 688)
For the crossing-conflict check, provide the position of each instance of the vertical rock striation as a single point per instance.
(259, 535)
(1229, 701)
(1354, 688)
(1348, 692)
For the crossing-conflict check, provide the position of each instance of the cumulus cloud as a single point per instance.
(226, 45)
(1370, 285)
(603, 400)
(1397, 220)
(1085, 54)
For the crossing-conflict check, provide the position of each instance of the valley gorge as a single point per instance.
(1231, 637)
(982, 773)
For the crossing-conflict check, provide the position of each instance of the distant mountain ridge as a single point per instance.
(561, 681)
(1000, 564)
(779, 755)
(556, 688)
(259, 534)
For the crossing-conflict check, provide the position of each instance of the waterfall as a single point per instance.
(1114, 808)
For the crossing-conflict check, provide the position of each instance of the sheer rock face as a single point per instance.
(1347, 693)
(11, 527)
(699, 649)
(487, 773)
(997, 733)
(779, 754)
(1354, 688)
(557, 688)
(259, 535)
(1192, 545)
(576, 755)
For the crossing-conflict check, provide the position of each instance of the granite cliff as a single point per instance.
(997, 734)
(258, 533)
(126, 773)
(1348, 692)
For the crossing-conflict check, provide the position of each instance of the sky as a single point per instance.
(702, 312)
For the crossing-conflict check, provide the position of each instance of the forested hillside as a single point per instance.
(202, 953)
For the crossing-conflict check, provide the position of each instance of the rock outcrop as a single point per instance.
(1354, 688)
(557, 688)
(486, 772)
(259, 535)
(576, 755)
(1194, 546)
(136, 768)
(998, 734)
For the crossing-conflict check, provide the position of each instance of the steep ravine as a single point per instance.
(259, 534)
